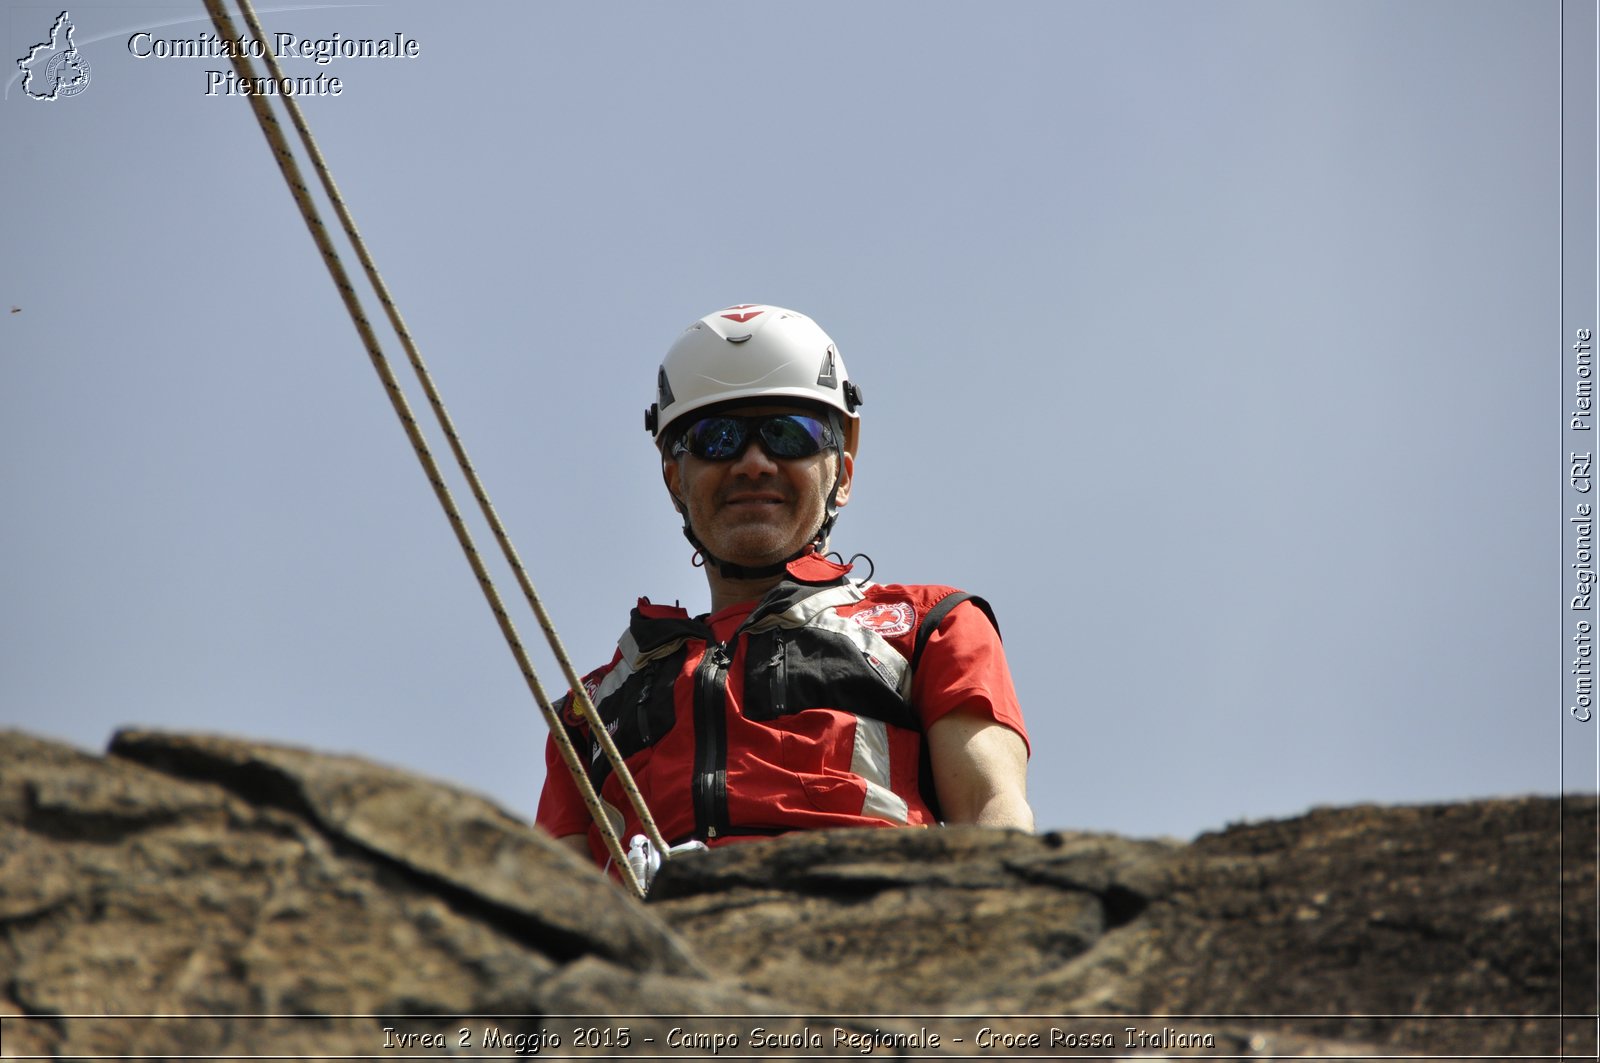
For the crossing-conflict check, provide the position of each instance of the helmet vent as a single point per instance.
(664, 396)
(827, 378)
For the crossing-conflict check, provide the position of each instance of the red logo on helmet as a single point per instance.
(741, 318)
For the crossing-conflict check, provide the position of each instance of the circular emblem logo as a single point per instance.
(71, 81)
(887, 619)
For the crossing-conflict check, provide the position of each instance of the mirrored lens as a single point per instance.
(781, 436)
(715, 438)
(793, 436)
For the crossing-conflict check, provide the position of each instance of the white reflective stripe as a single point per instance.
(637, 657)
(884, 658)
(612, 681)
(632, 660)
(800, 613)
(870, 760)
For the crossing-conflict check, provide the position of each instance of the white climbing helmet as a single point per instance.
(753, 352)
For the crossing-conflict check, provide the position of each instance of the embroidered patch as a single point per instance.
(568, 705)
(887, 619)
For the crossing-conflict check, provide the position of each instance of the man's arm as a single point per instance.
(980, 771)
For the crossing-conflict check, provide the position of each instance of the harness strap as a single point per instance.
(941, 609)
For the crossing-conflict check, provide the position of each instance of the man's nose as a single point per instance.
(754, 461)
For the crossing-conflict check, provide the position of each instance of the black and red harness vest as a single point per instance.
(803, 718)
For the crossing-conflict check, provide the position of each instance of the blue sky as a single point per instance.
(1218, 345)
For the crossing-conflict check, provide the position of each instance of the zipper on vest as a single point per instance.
(710, 788)
(777, 693)
(641, 715)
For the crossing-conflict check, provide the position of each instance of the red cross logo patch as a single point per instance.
(887, 619)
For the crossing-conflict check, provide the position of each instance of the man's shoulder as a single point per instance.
(657, 611)
(899, 610)
(915, 604)
(591, 685)
(922, 596)
(648, 624)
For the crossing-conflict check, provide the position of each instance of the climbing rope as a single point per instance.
(287, 164)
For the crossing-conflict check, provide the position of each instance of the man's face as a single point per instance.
(756, 509)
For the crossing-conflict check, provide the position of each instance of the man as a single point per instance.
(803, 699)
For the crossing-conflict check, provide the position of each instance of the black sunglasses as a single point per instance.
(782, 435)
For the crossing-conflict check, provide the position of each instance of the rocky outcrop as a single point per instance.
(189, 895)
(185, 875)
(1446, 910)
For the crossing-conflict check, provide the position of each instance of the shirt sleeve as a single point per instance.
(963, 667)
(561, 809)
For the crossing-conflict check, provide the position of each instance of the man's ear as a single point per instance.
(843, 494)
(672, 476)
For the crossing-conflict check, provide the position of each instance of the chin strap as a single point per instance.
(733, 570)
